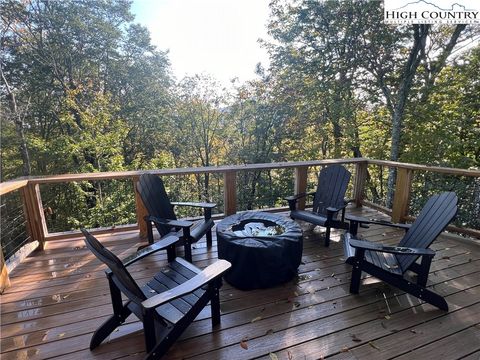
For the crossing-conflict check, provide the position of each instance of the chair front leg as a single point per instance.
(327, 236)
(328, 225)
(214, 289)
(149, 231)
(149, 329)
(292, 204)
(422, 275)
(357, 271)
(171, 253)
(207, 212)
(208, 236)
(187, 244)
(353, 227)
(120, 313)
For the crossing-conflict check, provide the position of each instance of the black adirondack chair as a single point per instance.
(390, 263)
(161, 214)
(166, 304)
(328, 201)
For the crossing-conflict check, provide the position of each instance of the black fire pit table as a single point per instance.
(265, 249)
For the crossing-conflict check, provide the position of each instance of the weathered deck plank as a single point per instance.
(59, 297)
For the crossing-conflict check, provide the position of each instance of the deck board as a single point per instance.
(60, 296)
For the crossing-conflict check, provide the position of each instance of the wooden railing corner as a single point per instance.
(141, 210)
(230, 192)
(35, 217)
(360, 179)
(401, 198)
(301, 175)
(4, 279)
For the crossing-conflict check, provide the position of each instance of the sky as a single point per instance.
(216, 37)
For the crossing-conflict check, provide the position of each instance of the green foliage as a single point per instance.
(93, 94)
(446, 130)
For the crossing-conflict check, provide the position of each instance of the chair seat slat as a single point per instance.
(385, 261)
(182, 304)
(167, 311)
(166, 279)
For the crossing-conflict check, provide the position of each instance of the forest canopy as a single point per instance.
(84, 90)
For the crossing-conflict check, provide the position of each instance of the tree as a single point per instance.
(197, 125)
(54, 49)
(94, 87)
(342, 52)
(315, 55)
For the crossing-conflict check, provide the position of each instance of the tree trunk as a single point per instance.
(414, 58)
(19, 126)
(433, 69)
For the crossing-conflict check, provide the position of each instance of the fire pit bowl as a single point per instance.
(265, 249)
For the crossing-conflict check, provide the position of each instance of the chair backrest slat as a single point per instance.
(155, 198)
(437, 213)
(120, 275)
(332, 185)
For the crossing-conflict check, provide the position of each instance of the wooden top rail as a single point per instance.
(13, 185)
(187, 171)
(437, 169)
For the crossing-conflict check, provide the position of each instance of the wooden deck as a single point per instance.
(60, 296)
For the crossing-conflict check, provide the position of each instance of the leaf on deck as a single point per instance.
(45, 335)
(355, 338)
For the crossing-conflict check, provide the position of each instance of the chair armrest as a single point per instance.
(292, 200)
(298, 196)
(207, 207)
(195, 204)
(204, 277)
(362, 220)
(398, 250)
(334, 209)
(161, 244)
(173, 223)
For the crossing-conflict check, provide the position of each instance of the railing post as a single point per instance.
(230, 192)
(34, 215)
(141, 210)
(301, 173)
(401, 198)
(4, 279)
(359, 184)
